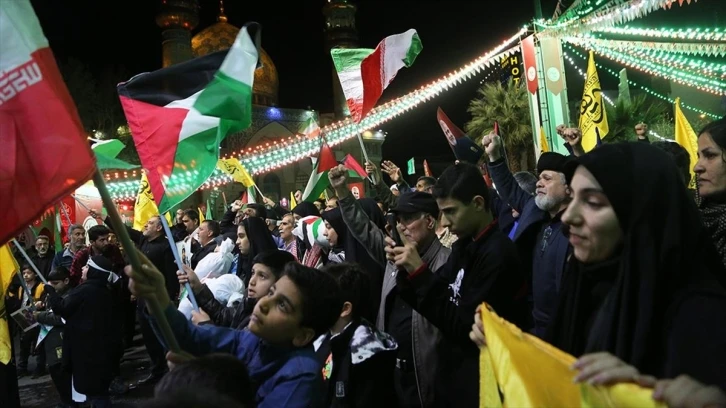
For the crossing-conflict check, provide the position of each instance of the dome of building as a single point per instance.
(220, 36)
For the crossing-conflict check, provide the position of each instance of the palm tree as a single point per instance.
(623, 117)
(508, 105)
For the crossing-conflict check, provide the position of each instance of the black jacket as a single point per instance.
(485, 269)
(362, 360)
(53, 341)
(237, 316)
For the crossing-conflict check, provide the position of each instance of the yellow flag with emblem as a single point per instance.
(520, 370)
(234, 168)
(145, 207)
(686, 137)
(543, 141)
(8, 268)
(592, 108)
(293, 201)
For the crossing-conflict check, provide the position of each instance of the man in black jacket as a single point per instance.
(483, 267)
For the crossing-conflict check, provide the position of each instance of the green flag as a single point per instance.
(411, 167)
(209, 212)
(106, 152)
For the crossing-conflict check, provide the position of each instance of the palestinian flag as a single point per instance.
(365, 73)
(310, 128)
(179, 115)
(106, 152)
(319, 178)
(354, 168)
(311, 229)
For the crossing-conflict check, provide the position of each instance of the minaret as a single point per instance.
(177, 19)
(340, 32)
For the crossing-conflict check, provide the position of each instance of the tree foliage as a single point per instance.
(623, 117)
(506, 104)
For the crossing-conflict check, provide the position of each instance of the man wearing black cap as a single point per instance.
(539, 236)
(417, 338)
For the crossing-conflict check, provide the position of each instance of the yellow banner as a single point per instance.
(8, 268)
(686, 137)
(543, 141)
(527, 372)
(293, 202)
(145, 206)
(234, 168)
(592, 108)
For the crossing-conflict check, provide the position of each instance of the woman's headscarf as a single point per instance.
(335, 219)
(666, 256)
(260, 241)
(101, 268)
(713, 210)
(306, 208)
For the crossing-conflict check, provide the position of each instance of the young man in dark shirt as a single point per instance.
(483, 267)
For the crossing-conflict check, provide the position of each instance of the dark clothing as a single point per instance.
(63, 258)
(362, 360)
(227, 227)
(44, 264)
(260, 241)
(178, 232)
(222, 315)
(485, 269)
(283, 377)
(156, 351)
(92, 336)
(110, 252)
(543, 261)
(659, 303)
(53, 346)
(62, 380)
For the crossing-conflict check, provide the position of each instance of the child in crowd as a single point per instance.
(28, 339)
(277, 349)
(358, 360)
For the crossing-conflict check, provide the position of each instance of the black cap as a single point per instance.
(416, 201)
(551, 161)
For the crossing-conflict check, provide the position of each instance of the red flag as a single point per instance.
(427, 170)
(45, 153)
(352, 164)
(464, 148)
(530, 64)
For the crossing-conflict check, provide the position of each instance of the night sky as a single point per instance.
(123, 33)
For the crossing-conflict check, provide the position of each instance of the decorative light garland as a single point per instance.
(706, 68)
(710, 49)
(633, 83)
(708, 85)
(297, 148)
(697, 34)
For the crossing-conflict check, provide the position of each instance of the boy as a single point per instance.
(28, 338)
(266, 270)
(277, 349)
(358, 360)
(59, 279)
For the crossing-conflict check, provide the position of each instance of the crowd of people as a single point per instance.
(360, 302)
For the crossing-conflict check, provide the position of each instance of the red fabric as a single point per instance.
(427, 170)
(350, 162)
(155, 130)
(326, 158)
(418, 271)
(372, 77)
(530, 64)
(45, 155)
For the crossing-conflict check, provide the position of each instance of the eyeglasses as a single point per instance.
(545, 236)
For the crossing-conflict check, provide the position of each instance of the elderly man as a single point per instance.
(43, 256)
(542, 245)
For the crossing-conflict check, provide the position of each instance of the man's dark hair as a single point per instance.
(260, 210)
(97, 231)
(221, 373)
(320, 296)
(192, 214)
(193, 397)
(680, 157)
(463, 182)
(274, 259)
(59, 273)
(527, 181)
(429, 181)
(28, 267)
(354, 286)
(321, 201)
(213, 226)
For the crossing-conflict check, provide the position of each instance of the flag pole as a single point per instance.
(371, 177)
(260, 191)
(224, 197)
(81, 203)
(65, 213)
(178, 260)
(123, 236)
(27, 258)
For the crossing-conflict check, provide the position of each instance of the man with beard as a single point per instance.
(43, 257)
(539, 236)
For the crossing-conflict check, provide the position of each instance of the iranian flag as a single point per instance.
(319, 178)
(310, 128)
(45, 154)
(365, 73)
(179, 115)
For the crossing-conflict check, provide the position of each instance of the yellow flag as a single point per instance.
(201, 215)
(167, 215)
(592, 109)
(531, 373)
(293, 201)
(145, 206)
(8, 268)
(686, 137)
(543, 140)
(234, 168)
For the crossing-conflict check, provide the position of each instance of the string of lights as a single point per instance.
(299, 147)
(708, 85)
(690, 34)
